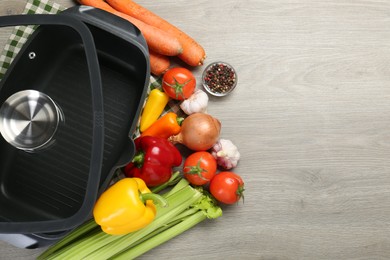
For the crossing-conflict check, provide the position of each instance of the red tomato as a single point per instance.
(199, 168)
(227, 187)
(179, 83)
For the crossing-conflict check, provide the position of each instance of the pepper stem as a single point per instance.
(179, 120)
(157, 199)
(138, 159)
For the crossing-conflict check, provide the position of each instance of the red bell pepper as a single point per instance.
(154, 160)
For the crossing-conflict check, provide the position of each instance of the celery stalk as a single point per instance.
(155, 232)
(77, 233)
(178, 202)
(171, 223)
(160, 238)
(187, 207)
(94, 245)
(83, 247)
(204, 208)
(180, 185)
(86, 246)
(91, 224)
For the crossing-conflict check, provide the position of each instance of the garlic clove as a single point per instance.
(196, 103)
(226, 154)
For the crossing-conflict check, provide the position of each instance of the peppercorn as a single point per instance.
(219, 78)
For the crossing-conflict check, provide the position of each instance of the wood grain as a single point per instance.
(12, 7)
(311, 117)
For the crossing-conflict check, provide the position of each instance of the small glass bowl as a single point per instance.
(219, 78)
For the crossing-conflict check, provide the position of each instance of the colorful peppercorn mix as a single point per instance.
(219, 78)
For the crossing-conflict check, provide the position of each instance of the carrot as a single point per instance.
(193, 53)
(159, 63)
(157, 40)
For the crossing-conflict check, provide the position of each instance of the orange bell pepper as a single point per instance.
(166, 126)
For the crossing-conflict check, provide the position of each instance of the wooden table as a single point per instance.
(311, 117)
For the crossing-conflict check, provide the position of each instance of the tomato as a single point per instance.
(179, 83)
(199, 168)
(227, 187)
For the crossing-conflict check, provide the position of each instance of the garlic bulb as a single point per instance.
(197, 102)
(226, 154)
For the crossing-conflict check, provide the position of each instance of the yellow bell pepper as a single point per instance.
(154, 107)
(125, 207)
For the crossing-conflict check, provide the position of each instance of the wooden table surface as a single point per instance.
(311, 118)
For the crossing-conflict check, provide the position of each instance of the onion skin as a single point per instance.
(199, 132)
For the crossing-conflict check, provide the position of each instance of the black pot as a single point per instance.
(95, 67)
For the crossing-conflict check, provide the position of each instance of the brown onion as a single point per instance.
(199, 132)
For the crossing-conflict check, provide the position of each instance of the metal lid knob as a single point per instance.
(29, 120)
